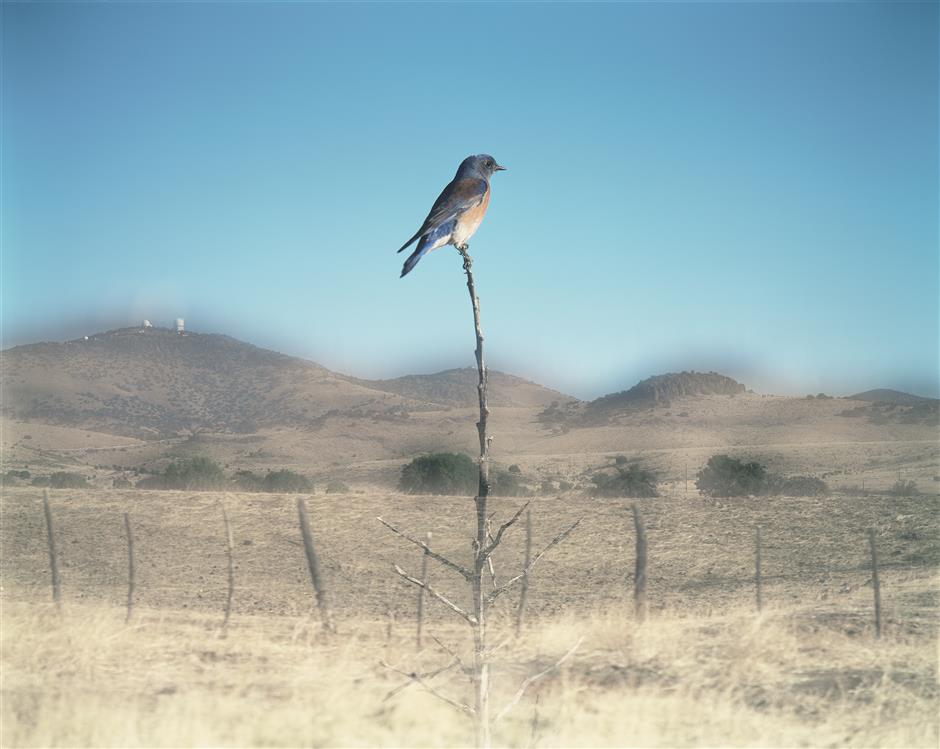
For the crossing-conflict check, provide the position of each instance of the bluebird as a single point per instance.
(458, 210)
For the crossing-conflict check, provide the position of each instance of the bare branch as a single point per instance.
(451, 653)
(419, 679)
(528, 682)
(415, 677)
(463, 571)
(502, 529)
(427, 586)
(554, 542)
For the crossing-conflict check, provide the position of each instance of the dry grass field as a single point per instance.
(703, 670)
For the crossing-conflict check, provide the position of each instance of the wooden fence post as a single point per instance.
(131, 571)
(313, 565)
(424, 581)
(53, 557)
(639, 582)
(524, 592)
(758, 582)
(876, 583)
(230, 552)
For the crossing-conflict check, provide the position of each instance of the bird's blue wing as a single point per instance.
(457, 197)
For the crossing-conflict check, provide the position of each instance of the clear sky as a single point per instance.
(745, 187)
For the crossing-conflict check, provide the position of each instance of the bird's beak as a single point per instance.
(499, 168)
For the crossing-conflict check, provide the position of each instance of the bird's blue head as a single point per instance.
(482, 166)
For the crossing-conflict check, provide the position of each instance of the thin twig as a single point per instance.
(554, 542)
(502, 529)
(452, 606)
(431, 690)
(463, 571)
(413, 677)
(528, 682)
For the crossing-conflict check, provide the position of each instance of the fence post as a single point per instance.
(424, 581)
(639, 582)
(524, 592)
(131, 571)
(53, 557)
(758, 582)
(876, 583)
(313, 565)
(229, 549)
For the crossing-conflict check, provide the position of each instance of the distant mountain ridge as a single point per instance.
(887, 395)
(658, 390)
(150, 381)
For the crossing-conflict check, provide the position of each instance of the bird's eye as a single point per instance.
(489, 163)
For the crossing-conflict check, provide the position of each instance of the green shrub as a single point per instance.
(904, 489)
(337, 487)
(632, 481)
(192, 473)
(440, 473)
(514, 468)
(121, 483)
(62, 480)
(724, 476)
(286, 482)
(620, 460)
(507, 484)
(24, 475)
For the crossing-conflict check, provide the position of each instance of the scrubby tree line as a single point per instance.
(722, 476)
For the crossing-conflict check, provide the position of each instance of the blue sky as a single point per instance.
(746, 187)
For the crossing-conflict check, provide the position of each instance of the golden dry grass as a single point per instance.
(705, 670)
(725, 680)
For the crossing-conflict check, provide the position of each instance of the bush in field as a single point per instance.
(192, 473)
(286, 482)
(507, 483)
(62, 480)
(724, 476)
(337, 487)
(630, 481)
(121, 483)
(24, 475)
(904, 488)
(440, 473)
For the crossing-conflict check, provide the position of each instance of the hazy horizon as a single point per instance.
(745, 188)
(736, 367)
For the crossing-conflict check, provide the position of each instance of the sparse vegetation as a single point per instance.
(904, 489)
(337, 487)
(23, 475)
(193, 473)
(629, 481)
(724, 476)
(440, 473)
(285, 481)
(62, 480)
(795, 486)
(282, 481)
(507, 484)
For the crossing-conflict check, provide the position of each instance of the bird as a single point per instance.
(458, 210)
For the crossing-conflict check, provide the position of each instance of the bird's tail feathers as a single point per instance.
(435, 238)
(413, 259)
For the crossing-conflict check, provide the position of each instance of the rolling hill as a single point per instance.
(151, 382)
